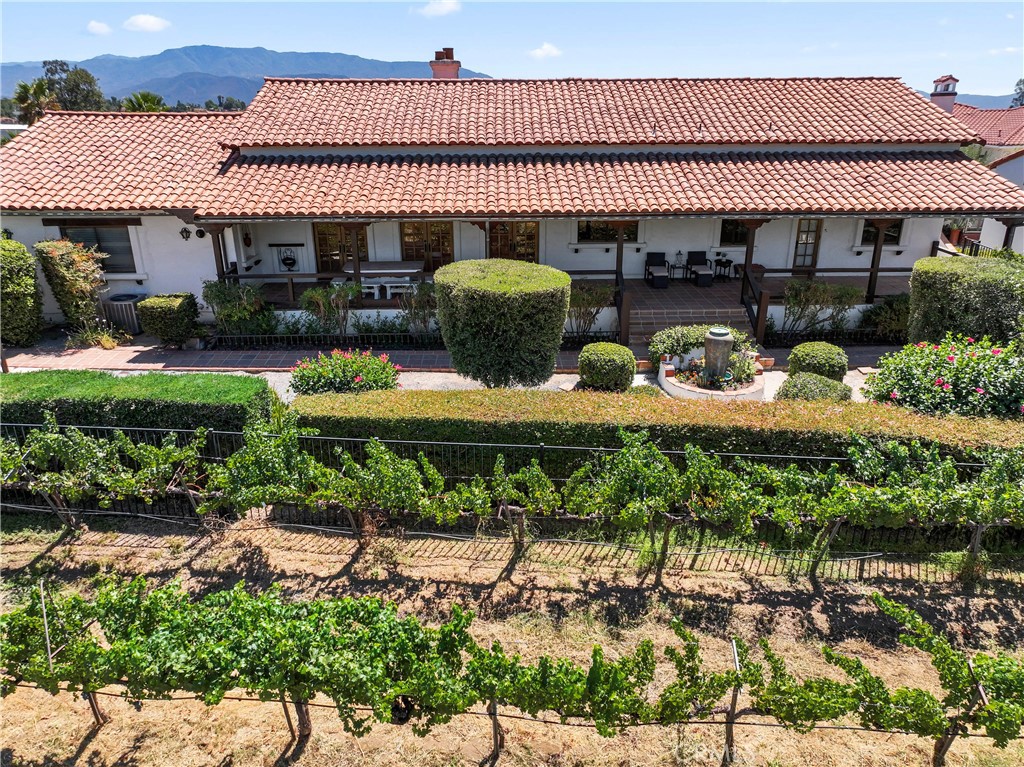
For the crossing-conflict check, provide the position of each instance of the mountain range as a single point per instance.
(200, 72)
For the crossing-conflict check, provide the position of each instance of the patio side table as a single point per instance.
(723, 268)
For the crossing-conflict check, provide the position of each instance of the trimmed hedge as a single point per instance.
(682, 339)
(502, 320)
(151, 400)
(607, 367)
(21, 303)
(812, 387)
(821, 358)
(592, 419)
(966, 296)
(172, 317)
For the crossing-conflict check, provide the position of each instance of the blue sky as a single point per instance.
(980, 43)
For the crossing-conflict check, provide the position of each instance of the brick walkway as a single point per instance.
(55, 357)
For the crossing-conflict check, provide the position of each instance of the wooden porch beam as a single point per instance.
(620, 239)
(880, 225)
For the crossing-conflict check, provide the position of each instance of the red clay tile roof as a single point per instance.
(1000, 127)
(334, 113)
(609, 184)
(112, 161)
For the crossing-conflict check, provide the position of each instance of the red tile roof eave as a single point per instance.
(1007, 158)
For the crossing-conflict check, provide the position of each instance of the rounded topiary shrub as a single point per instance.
(502, 320)
(608, 367)
(21, 304)
(173, 317)
(819, 357)
(681, 339)
(811, 386)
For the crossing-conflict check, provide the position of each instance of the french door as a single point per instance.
(514, 239)
(808, 238)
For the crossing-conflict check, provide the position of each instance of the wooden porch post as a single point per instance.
(752, 224)
(1011, 225)
(620, 227)
(880, 225)
(216, 231)
(352, 232)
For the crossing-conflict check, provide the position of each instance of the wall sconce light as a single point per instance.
(185, 233)
(607, 250)
(247, 239)
(575, 250)
(200, 233)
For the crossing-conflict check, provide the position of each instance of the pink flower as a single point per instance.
(947, 387)
(980, 390)
(920, 344)
(398, 367)
(974, 354)
(970, 340)
(951, 358)
(935, 348)
(997, 351)
(894, 395)
(358, 379)
(938, 382)
(384, 358)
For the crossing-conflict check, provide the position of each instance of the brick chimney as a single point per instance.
(444, 65)
(944, 93)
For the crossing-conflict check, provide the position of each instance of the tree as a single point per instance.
(8, 108)
(76, 89)
(183, 106)
(33, 99)
(225, 104)
(144, 101)
(1018, 94)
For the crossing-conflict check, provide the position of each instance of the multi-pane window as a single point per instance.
(112, 240)
(334, 246)
(604, 231)
(734, 234)
(892, 235)
(808, 234)
(432, 242)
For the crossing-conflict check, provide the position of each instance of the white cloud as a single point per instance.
(1003, 51)
(546, 51)
(97, 28)
(440, 7)
(143, 22)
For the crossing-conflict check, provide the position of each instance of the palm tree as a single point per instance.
(144, 101)
(33, 99)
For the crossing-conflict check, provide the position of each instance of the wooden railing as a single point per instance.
(756, 299)
(292, 277)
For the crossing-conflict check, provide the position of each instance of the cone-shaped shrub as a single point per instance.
(502, 320)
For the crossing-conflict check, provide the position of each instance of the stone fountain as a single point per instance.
(718, 343)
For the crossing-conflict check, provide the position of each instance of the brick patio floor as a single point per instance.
(52, 356)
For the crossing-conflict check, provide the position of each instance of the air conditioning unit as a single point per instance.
(121, 312)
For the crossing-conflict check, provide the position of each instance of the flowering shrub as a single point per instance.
(348, 371)
(960, 375)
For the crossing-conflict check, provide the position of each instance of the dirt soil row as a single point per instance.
(556, 599)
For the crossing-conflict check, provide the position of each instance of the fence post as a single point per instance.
(729, 755)
(833, 529)
(540, 457)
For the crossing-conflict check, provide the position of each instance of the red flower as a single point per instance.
(358, 379)
(997, 351)
(894, 395)
(947, 387)
(938, 382)
(970, 340)
(950, 358)
(980, 390)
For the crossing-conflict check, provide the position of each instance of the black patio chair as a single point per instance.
(656, 270)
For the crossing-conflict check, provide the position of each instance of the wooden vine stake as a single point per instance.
(833, 530)
(98, 716)
(956, 723)
(497, 734)
(288, 716)
(729, 754)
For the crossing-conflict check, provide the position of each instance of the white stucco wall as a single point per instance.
(164, 262)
